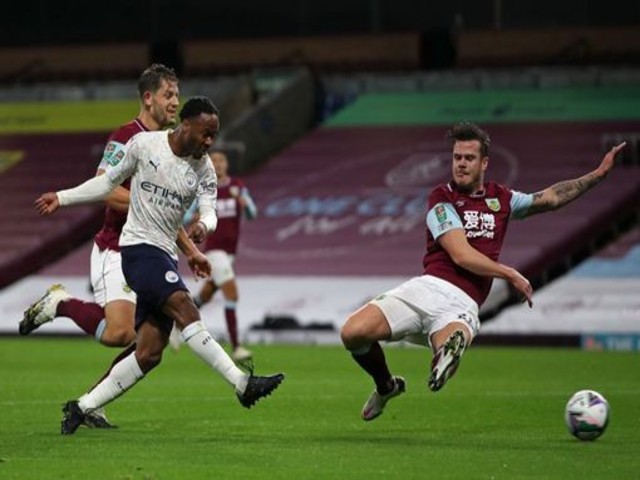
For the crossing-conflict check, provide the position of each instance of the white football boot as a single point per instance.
(375, 404)
(43, 310)
(446, 360)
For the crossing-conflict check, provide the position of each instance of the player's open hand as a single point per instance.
(609, 159)
(199, 265)
(523, 286)
(47, 203)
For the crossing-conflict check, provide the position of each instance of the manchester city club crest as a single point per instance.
(191, 179)
(493, 204)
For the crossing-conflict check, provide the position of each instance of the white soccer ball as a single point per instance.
(587, 414)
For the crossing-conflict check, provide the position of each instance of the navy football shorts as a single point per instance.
(153, 275)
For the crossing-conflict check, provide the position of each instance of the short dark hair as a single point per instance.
(152, 76)
(196, 106)
(465, 131)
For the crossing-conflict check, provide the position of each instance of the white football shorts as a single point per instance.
(107, 279)
(423, 305)
(221, 266)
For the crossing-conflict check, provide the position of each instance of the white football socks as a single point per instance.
(127, 372)
(202, 343)
(121, 378)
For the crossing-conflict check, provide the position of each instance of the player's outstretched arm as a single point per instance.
(93, 189)
(118, 199)
(562, 193)
(465, 256)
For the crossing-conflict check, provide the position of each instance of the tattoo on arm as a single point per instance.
(540, 204)
(572, 189)
(561, 193)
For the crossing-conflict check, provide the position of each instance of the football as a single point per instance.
(587, 414)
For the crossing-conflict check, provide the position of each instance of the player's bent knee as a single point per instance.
(148, 360)
(345, 337)
(354, 333)
(365, 326)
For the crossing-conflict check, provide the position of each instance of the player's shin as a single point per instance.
(197, 337)
(121, 378)
(372, 360)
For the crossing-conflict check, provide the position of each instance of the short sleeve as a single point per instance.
(520, 204)
(441, 218)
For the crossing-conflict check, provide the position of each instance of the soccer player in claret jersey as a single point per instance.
(234, 202)
(466, 223)
(168, 171)
(110, 319)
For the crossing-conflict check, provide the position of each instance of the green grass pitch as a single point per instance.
(501, 417)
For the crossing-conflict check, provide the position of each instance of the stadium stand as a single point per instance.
(546, 46)
(596, 304)
(344, 194)
(405, 51)
(304, 219)
(28, 242)
(59, 63)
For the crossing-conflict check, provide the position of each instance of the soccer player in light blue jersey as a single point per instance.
(110, 319)
(168, 170)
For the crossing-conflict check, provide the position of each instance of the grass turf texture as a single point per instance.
(500, 417)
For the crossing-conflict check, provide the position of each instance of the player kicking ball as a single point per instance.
(168, 170)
